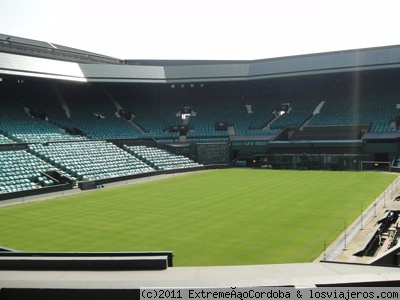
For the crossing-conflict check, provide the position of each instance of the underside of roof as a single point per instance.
(23, 57)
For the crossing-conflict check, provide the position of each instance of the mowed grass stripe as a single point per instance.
(216, 217)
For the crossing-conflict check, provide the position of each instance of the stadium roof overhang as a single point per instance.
(202, 71)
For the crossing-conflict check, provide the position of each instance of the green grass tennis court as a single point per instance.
(215, 217)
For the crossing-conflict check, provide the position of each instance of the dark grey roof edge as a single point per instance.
(344, 51)
(191, 62)
(10, 39)
(182, 62)
(353, 60)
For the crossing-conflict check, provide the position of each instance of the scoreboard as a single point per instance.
(213, 153)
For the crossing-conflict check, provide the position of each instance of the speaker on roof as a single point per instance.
(221, 126)
(125, 113)
(173, 128)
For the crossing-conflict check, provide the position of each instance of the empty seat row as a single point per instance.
(161, 159)
(90, 160)
(20, 171)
